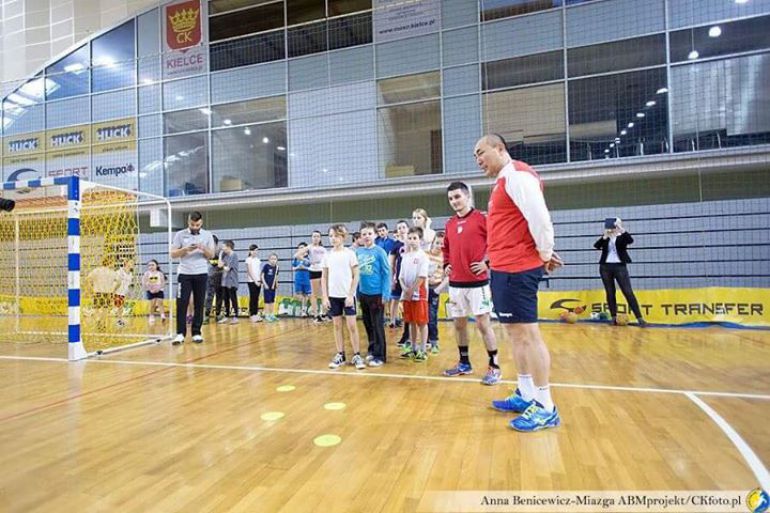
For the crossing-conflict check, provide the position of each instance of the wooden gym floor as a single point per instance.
(181, 429)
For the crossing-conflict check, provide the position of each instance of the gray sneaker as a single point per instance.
(358, 362)
(337, 361)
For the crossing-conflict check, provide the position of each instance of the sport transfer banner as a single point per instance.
(744, 306)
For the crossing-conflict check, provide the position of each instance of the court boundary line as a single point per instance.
(324, 372)
(751, 458)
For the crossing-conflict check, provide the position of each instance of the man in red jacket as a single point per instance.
(520, 244)
(465, 255)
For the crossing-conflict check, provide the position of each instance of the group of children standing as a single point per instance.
(376, 270)
(224, 273)
(110, 287)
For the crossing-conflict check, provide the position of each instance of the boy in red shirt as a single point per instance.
(465, 255)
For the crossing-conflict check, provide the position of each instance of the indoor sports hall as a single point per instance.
(385, 256)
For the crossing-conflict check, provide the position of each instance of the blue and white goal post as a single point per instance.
(104, 246)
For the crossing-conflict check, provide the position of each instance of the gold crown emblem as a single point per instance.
(184, 20)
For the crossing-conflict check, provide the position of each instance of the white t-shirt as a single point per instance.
(316, 256)
(612, 255)
(253, 266)
(124, 282)
(414, 265)
(339, 265)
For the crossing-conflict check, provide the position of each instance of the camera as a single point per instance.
(7, 205)
(610, 223)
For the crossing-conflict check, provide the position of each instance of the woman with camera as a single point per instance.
(612, 267)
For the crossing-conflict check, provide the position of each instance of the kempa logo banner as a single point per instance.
(115, 170)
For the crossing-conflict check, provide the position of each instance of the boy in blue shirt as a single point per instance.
(373, 290)
(301, 267)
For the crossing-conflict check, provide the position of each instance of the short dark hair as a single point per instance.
(367, 224)
(458, 186)
(316, 231)
(440, 234)
(402, 221)
(416, 229)
(356, 235)
(382, 225)
(253, 247)
(194, 216)
(230, 244)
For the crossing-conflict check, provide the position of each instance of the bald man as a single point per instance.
(520, 244)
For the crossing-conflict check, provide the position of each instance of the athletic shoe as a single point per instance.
(492, 377)
(459, 370)
(358, 362)
(318, 320)
(513, 403)
(338, 360)
(253, 318)
(392, 325)
(179, 339)
(399, 323)
(234, 320)
(642, 323)
(198, 339)
(223, 320)
(536, 418)
(368, 358)
(404, 343)
(376, 362)
(407, 351)
(434, 348)
(206, 320)
(420, 356)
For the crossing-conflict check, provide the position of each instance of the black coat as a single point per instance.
(621, 243)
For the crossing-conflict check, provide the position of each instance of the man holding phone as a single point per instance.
(193, 246)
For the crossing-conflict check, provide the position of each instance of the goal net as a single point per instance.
(71, 266)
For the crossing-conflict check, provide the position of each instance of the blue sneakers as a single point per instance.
(492, 377)
(459, 369)
(514, 403)
(536, 418)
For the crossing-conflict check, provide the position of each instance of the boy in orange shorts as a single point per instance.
(414, 296)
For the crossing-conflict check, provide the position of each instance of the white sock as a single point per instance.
(543, 396)
(526, 387)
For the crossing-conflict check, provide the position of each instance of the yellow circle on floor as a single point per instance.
(285, 388)
(335, 406)
(327, 440)
(272, 415)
